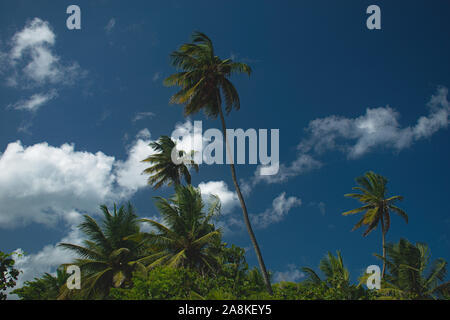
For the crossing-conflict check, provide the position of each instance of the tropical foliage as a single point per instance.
(107, 258)
(8, 273)
(204, 81)
(182, 255)
(163, 170)
(412, 275)
(186, 238)
(46, 288)
(337, 278)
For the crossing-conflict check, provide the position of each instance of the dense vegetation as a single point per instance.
(184, 256)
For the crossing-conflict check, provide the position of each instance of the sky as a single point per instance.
(78, 109)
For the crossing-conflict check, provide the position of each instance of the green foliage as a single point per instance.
(411, 274)
(8, 274)
(336, 285)
(204, 78)
(376, 206)
(187, 237)
(233, 280)
(45, 288)
(107, 258)
(162, 169)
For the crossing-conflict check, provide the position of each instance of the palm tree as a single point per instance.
(107, 259)
(337, 276)
(48, 287)
(376, 206)
(186, 238)
(163, 170)
(204, 82)
(411, 275)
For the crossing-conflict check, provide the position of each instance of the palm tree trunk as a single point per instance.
(383, 234)
(244, 208)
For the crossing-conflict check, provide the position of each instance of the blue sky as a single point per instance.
(78, 108)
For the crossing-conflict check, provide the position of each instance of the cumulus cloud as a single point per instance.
(279, 210)
(45, 184)
(378, 127)
(35, 101)
(32, 60)
(293, 274)
(129, 172)
(228, 199)
(40, 183)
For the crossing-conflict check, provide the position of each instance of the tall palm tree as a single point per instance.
(107, 259)
(411, 274)
(376, 206)
(205, 84)
(337, 276)
(186, 237)
(163, 170)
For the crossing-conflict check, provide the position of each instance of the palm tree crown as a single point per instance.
(186, 238)
(376, 206)
(411, 274)
(337, 276)
(163, 169)
(204, 77)
(107, 258)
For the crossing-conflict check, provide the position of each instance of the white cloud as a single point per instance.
(32, 60)
(110, 25)
(142, 115)
(279, 210)
(438, 118)
(45, 184)
(378, 127)
(228, 199)
(35, 101)
(129, 172)
(304, 163)
(293, 274)
(41, 183)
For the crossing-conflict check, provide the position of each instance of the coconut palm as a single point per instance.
(163, 169)
(376, 206)
(186, 237)
(337, 276)
(107, 258)
(411, 274)
(205, 85)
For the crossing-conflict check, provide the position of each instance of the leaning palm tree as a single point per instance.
(411, 275)
(186, 237)
(163, 169)
(107, 258)
(205, 85)
(376, 206)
